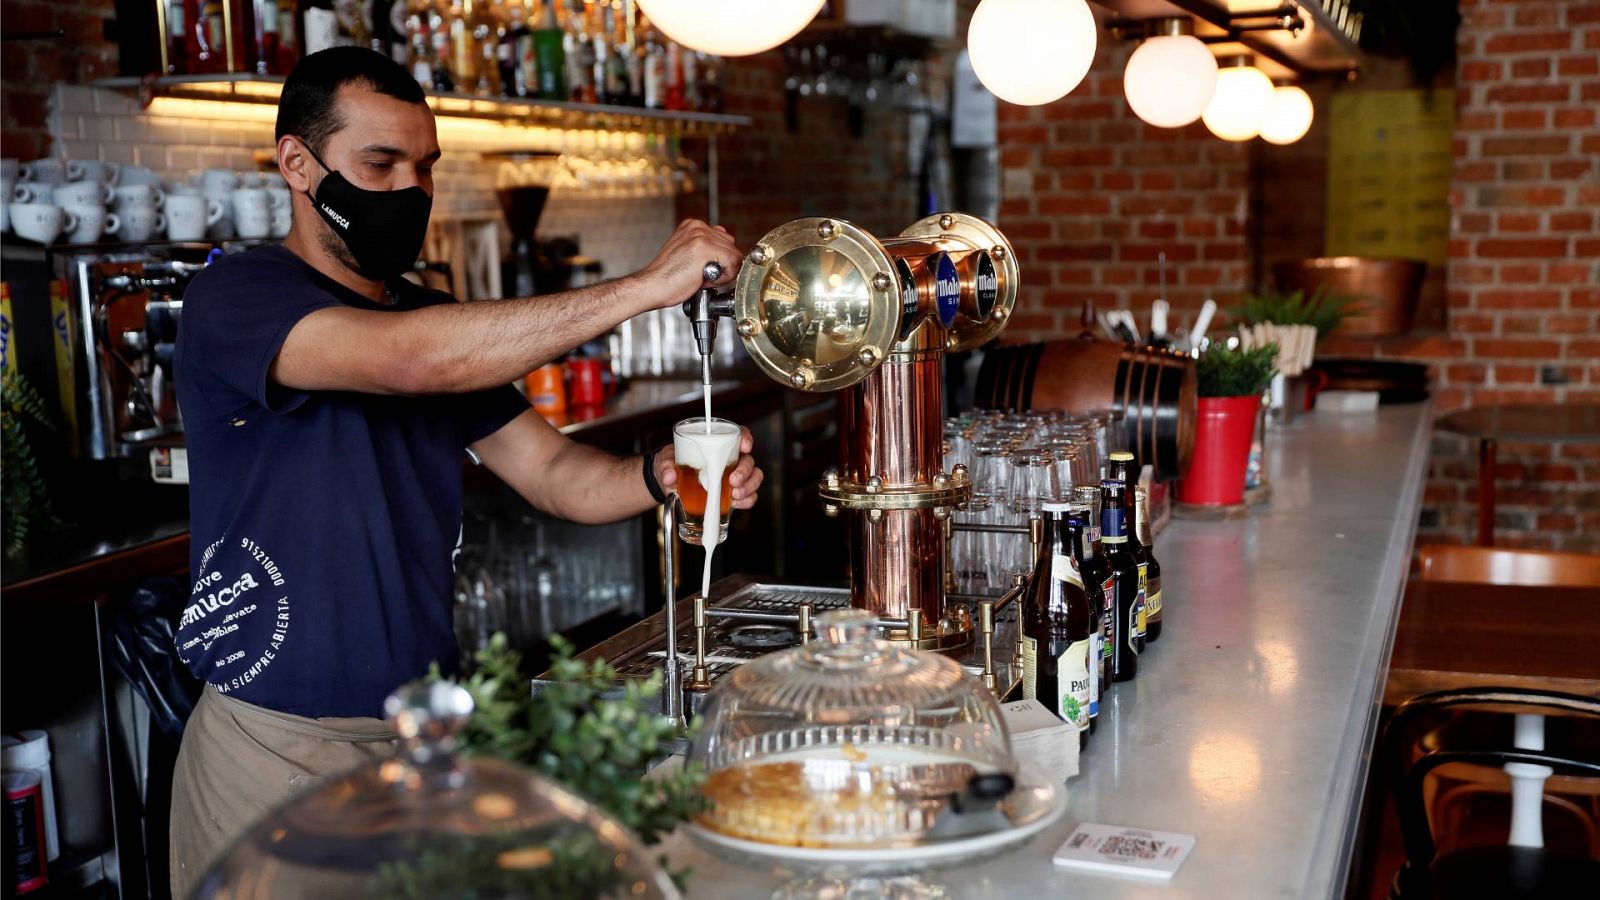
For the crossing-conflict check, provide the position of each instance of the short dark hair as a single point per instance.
(309, 108)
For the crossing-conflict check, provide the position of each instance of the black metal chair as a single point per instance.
(1427, 733)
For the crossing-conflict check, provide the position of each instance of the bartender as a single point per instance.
(328, 403)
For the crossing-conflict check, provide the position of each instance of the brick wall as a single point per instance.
(1523, 280)
(1090, 195)
(770, 175)
(29, 67)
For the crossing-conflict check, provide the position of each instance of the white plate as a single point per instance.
(1046, 805)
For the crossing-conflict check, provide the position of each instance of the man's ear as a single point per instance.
(295, 163)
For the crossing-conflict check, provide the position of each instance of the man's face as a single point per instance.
(386, 144)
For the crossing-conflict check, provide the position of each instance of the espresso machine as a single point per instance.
(130, 310)
(822, 305)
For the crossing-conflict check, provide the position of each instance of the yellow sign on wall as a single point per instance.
(1389, 161)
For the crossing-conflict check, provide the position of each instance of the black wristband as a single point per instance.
(650, 481)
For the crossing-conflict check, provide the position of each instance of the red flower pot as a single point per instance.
(1221, 451)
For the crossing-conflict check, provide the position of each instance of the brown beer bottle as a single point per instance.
(1122, 470)
(1152, 577)
(1095, 573)
(1057, 629)
(1114, 529)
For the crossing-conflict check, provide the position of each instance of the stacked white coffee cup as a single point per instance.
(83, 201)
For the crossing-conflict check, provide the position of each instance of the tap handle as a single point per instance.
(712, 272)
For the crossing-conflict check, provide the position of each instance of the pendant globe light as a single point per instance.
(1239, 106)
(730, 27)
(1031, 52)
(1171, 76)
(1288, 115)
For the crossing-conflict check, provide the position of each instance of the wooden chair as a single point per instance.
(1426, 734)
(1502, 565)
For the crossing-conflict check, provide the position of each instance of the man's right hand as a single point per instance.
(677, 271)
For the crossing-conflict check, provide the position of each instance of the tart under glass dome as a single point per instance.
(429, 824)
(847, 742)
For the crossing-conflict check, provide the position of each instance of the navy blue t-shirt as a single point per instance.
(323, 525)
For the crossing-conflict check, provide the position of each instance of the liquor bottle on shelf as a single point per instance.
(439, 44)
(1122, 470)
(1096, 573)
(1057, 629)
(691, 78)
(514, 39)
(421, 47)
(600, 36)
(180, 40)
(580, 58)
(319, 26)
(655, 71)
(211, 37)
(633, 64)
(393, 14)
(354, 25)
(710, 69)
(1152, 591)
(550, 59)
(484, 17)
(675, 52)
(463, 55)
(264, 58)
(1125, 581)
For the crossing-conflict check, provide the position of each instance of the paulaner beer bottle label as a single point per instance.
(1073, 684)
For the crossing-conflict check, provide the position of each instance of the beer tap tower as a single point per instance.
(822, 305)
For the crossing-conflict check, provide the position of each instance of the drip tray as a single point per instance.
(638, 652)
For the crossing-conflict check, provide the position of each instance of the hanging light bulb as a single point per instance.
(1030, 52)
(730, 27)
(1171, 76)
(1238, 107)
(1288, 115)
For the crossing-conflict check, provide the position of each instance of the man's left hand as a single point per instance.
(745, 480)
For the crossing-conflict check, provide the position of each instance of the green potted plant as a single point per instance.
(1230, 386)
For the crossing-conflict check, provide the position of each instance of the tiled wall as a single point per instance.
(622, 224)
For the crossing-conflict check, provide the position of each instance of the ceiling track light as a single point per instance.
(1284, 18)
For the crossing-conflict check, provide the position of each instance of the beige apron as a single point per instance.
(238, 761)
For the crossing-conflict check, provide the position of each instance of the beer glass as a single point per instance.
(695, 449)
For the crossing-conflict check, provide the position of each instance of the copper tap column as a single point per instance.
(891, 429)
(822, 305)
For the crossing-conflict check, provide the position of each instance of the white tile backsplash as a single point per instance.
(622, 230)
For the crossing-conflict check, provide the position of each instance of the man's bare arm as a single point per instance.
(581, 484)
(461, 347)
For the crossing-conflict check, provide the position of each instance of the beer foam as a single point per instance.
(710, 452)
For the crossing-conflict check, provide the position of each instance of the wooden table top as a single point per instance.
(1457, 635)
(1537, 422)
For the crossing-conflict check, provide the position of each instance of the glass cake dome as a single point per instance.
(847, 742)
(428, 824)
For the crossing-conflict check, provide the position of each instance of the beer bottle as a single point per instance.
(1125, 580)
(1056, 629)
(1152, 580)
(1122, 470)
(1093, 571)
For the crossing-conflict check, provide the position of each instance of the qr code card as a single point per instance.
(1115, 850)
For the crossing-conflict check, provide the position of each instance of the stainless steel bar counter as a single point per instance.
(1251, 720)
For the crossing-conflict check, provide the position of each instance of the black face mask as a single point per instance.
(383, 229)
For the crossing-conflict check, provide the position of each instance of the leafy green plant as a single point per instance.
(1322, 310)
(529, 866)
(579, 733)
(1236, 373)
(26, 498)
